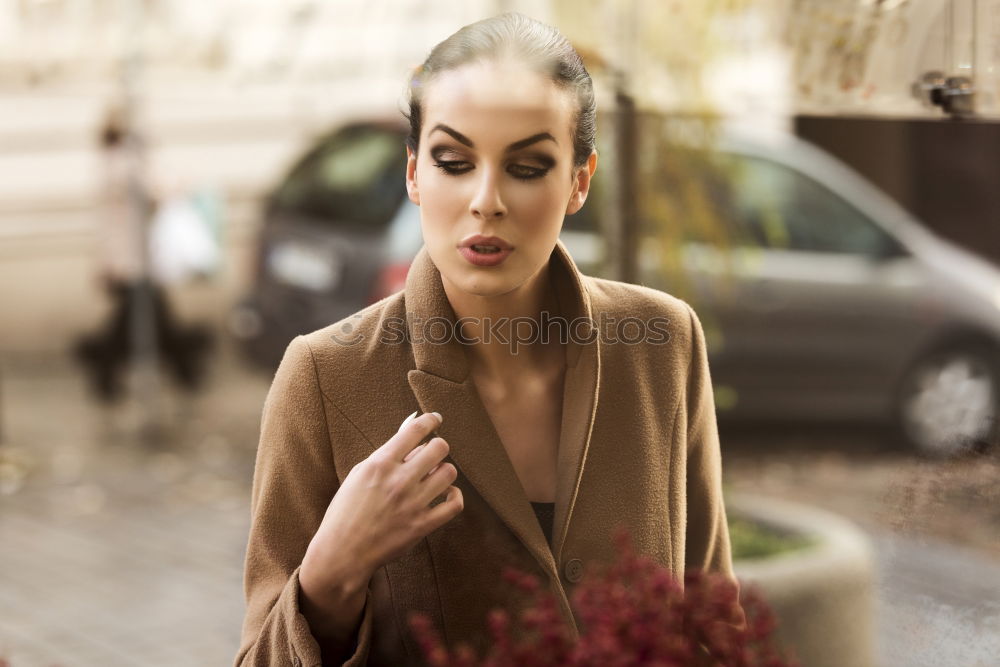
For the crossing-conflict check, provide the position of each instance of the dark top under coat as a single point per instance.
(546, 514)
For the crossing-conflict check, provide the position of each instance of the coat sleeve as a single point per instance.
(707, 541)
(707, 544)
(294, 482)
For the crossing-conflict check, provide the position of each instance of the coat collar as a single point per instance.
(441, 381)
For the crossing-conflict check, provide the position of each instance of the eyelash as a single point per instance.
(448, 167)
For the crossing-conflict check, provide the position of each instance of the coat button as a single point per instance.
(573, 569)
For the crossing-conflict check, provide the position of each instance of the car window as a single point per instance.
(783, 208)
(355, 178)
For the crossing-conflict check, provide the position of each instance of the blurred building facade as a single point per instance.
(229, 92)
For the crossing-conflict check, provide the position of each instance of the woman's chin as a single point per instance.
(475, 282)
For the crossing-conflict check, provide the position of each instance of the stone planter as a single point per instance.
(822, 594)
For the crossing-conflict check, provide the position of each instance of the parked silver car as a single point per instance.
(833, 304)
(848, 309)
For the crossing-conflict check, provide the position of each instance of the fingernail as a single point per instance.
(407, 420)
(438, 415)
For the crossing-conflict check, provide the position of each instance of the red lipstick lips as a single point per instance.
(485, 250)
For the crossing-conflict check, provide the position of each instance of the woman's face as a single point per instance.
(496, 159)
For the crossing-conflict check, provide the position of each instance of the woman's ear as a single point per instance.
(411, 177)
(581, 184)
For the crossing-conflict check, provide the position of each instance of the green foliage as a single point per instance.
(751, 540)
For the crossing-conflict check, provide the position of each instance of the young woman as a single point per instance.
(561, 405)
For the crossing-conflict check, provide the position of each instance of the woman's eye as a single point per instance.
(523, 172)
(452, 167)
(526, 173)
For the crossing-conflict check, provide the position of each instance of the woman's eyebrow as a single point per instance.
(461, 138)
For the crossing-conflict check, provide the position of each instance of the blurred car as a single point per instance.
(831, 302)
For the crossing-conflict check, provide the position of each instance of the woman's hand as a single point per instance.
(381, 510)
(382, 507)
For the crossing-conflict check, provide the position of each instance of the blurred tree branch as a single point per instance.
(657, 55)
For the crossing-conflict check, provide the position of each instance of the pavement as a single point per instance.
(116, 549)
(935, 604)
(934, 528)
(123, 549)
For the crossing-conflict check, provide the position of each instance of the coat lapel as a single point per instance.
(441, 381)
(580, 392)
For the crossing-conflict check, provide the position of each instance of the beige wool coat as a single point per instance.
(639, 446)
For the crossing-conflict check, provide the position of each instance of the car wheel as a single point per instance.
(949, 400)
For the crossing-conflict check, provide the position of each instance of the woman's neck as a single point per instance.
(502, 350)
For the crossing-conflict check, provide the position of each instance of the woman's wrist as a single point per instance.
(335, 570)
(332, 595)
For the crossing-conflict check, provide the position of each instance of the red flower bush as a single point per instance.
(629, 614)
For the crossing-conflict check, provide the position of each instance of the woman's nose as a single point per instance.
(487, 202)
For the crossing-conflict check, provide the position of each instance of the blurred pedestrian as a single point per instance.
(124, 274)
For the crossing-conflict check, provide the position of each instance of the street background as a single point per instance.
(121, 549)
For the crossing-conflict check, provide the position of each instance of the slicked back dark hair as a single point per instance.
(512, 36)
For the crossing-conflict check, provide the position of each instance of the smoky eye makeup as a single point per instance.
(445, 153)
(528, 166)
(540, 160)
